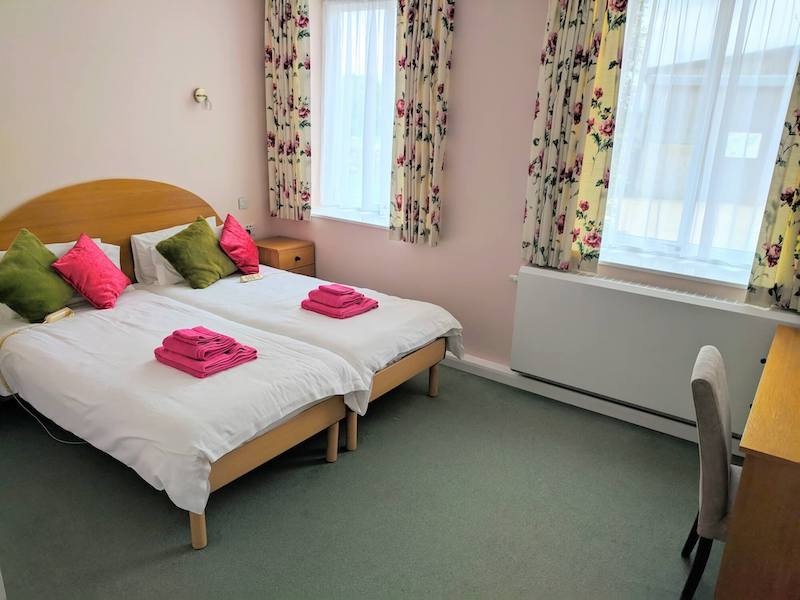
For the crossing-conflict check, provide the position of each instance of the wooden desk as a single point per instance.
(762, 554)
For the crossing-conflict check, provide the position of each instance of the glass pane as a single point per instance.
(357, 105)
(704, 90)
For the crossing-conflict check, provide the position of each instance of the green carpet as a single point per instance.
(483, 492)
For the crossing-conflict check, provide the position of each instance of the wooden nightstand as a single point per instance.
(288, 254)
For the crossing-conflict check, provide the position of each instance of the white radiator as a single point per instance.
(634, 344)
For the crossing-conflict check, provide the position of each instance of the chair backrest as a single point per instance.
(712, 407)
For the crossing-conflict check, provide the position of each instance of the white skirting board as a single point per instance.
(503, 374)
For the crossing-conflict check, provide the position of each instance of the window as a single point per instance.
(358, 51)
(704, 91)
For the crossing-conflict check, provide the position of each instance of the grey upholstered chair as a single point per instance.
(719, 479)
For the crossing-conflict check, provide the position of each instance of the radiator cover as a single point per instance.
(635, 344)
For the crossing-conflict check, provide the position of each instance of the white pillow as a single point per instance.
(165, 272)
(112, 252)
(6, 313)
(59, 248)
(146, 257)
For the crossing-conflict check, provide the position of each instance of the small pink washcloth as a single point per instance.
(237, 355)
(202, 351)
(337, 288)
(365, 305)
(197, 335)
(335, 300)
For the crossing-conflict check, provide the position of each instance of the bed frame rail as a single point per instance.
(324, 415)
(385, 380)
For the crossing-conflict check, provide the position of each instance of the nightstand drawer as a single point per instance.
(287, 253)
(309, 270)
(294, 258)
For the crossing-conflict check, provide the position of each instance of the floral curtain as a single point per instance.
(424, 48)
(287, 68)
(775, 277)
(573, 132)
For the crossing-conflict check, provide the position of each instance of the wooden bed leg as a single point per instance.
(352, 430)
(333, 443)
(197, 523)
(433, 381)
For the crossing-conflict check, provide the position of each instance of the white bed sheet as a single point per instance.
(95, 375)
(369, 342)
(10, 323)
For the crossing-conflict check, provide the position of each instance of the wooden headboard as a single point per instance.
(111, 209)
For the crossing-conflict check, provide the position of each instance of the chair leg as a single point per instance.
(691, 540)
(698, 566)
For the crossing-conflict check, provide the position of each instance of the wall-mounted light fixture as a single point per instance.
(201, 97)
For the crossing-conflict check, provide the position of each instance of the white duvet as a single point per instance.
(369, 342)
(95, 375)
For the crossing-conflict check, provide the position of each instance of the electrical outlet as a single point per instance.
(242, 203)
(249, 229)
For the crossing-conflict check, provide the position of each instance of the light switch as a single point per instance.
(242, 203)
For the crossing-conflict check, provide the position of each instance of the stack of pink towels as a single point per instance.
(338, 301)
(201, 352)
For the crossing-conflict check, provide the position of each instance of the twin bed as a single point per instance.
(190, 437)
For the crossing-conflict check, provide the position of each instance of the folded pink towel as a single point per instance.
(346, 312)
(234, 356)
(197, 335)
(201, 351)
(337, 288)
(335, 300)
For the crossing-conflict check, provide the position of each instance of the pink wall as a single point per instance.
(102, 88)
(491, 112)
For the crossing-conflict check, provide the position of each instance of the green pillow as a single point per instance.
(196, 255)
(28, 284)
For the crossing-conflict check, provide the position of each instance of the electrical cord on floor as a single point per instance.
(47, 431)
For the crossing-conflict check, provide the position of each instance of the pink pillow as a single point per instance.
(236, 243)
(91, 273)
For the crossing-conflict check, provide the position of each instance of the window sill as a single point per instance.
(617, 262)
(351, 216)
(675, 282)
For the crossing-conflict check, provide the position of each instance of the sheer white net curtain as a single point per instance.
(357, 108)
(705, 85)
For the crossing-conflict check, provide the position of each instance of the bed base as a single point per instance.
(324, 415)
(385, 380)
